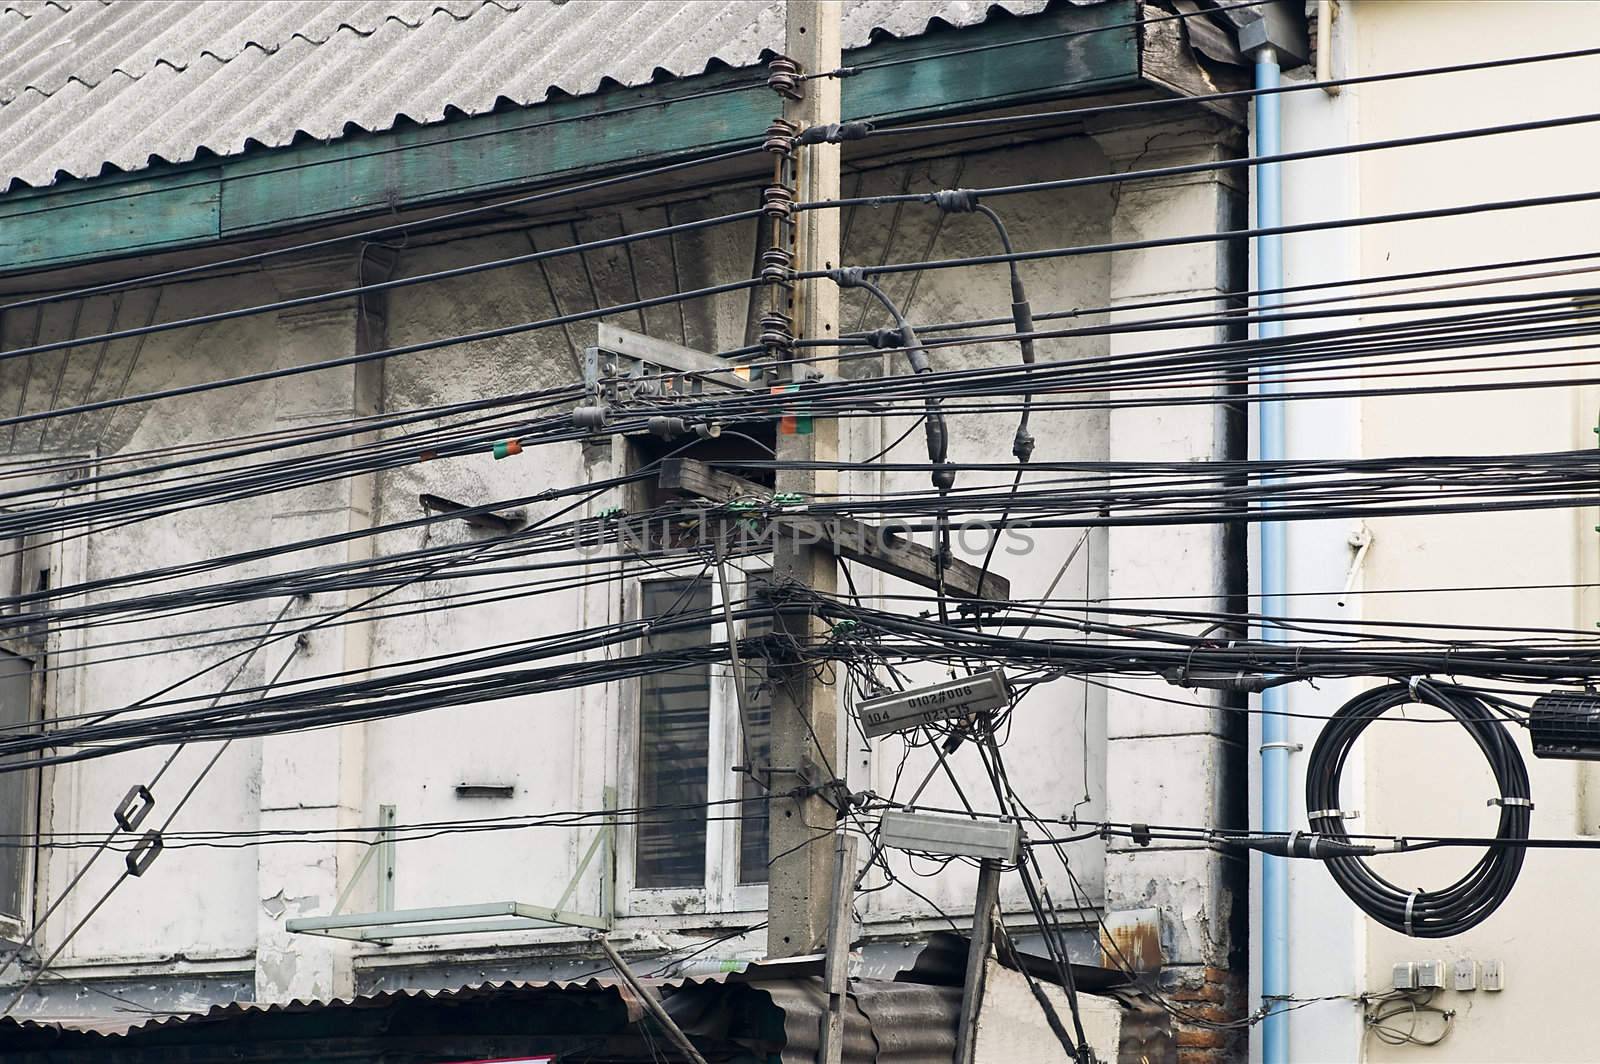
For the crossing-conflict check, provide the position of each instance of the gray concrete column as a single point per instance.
(1166, 763)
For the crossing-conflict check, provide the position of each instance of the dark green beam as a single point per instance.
(1000, 63)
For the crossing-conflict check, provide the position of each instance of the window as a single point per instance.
(689, 855)
(22, 649)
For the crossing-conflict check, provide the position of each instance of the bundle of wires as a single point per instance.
(1476, 895)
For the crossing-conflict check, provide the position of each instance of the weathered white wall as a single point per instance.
(1326, 933)
(1425, 778)
(210, 911)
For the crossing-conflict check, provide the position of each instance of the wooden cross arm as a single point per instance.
(871, 545)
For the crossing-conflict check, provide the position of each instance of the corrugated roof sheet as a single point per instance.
(88, 86)
(885, 1022)
(386, 998)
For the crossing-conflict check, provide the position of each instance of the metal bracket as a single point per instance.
(1360, 542)
(389, 923)
(441, 920)
(134, 807)
(1293, 748)
(144, 853)
(625, 365)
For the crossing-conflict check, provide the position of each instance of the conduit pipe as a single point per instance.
(1273, 563)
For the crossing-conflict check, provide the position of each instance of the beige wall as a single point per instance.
(1425, 778)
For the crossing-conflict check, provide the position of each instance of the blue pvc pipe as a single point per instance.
(1274, 578)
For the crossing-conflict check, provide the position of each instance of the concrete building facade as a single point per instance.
(208, 924)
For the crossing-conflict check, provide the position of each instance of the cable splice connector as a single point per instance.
(783, 77)
(834, 133)
(881, 338)
(956, 200)
(1304, 844)
(849, 276)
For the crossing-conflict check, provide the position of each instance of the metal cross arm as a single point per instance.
(858, 541)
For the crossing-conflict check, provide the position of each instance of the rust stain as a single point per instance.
(1132, 942)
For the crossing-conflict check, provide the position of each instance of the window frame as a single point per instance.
(66, 562)
(33, 648)
(722, 891)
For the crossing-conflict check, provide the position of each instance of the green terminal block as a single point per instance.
(611, 511)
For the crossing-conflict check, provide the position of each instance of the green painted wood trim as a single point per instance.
(90, 221)
(1004, 61)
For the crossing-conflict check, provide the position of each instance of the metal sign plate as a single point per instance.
(982, 692)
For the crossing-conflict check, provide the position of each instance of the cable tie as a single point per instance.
(1342, 814)
(1412, 683)
(1510, 801)
(1411, 901)
(956, 200)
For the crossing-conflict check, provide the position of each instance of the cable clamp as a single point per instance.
(783, 77)
(777, 202)
(849, 276)
(777, 335)
(1293, 748)
(1412, 683)
(1411, 901)
(1510, 801)
(777, 266)
(1342, 814)
(780, 137)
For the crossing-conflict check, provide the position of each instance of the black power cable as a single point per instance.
(1469, 900)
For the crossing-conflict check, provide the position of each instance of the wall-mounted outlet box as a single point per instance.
(1431, 975)
(1464, 976)
(1405, 976)
(1494, 975)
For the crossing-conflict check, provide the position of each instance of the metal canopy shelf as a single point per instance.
(441, 920)
(389, 923)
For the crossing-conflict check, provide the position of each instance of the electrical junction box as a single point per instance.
(1405, 976)
(1565, 727)
(1465, 975)
(1430, 975)
(1494, 975)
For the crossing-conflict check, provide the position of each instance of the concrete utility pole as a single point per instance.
(805, 715)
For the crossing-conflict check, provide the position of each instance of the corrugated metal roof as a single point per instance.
(88, 86)
(885, 1022)
(510, 988)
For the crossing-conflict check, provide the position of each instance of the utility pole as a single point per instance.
(805, 716)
